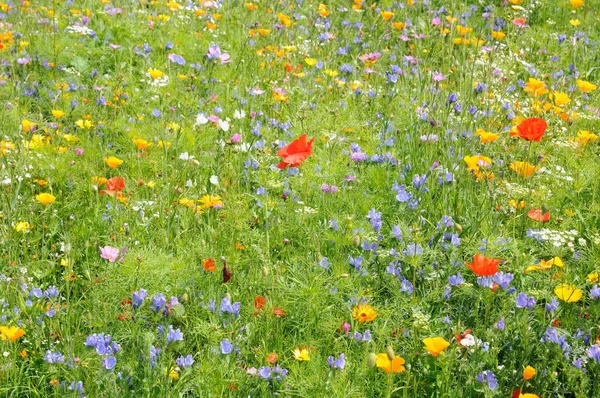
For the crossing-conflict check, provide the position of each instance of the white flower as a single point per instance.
(239, 114)
(224, 124)
(214, 180)
(201, 119)
(185, 156)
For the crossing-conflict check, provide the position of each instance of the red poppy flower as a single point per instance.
(516, 394)
(278, 312)
(532, 129)
(259, 304)
(483, 266)
(114, 185)
(296, 153)
(539, 215)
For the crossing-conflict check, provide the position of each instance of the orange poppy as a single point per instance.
(539, 215)
(532, 129)
(209, 265)
(113, 185)
(483, 266)
(295, 153)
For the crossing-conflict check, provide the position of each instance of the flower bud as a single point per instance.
(390, 352)
(356, 241)
(265, 271)
(371, 360)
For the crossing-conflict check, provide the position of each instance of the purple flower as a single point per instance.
(178, 59)
(109, 362)
(595, 292)
(174, 335)
(337, 363)
(500, 325)
(183, 362)
(455, 280)
(226, 306)
(375, 217)
(54, 357)
(214, 53)
(138, 298)
(594, 352)
(552, 306)
(226, 347)
(158, 301)
(525, 302)
(503, 279)
(489, 378)
(154, 351)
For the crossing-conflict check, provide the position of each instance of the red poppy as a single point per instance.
(259, 304)
(539, 215)
(272, 357)
(296, 153)
(516, 394)
(114, 185)
(483, 266)
(532, 129)
(278, 312)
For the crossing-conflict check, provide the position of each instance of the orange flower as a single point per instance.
(532, 129)
(114, 185)
(295, 153)
(538, 215)
(435, 345)
(11, 333)
(529, 372)
(364, 313)
(394, 366)
(483, 266)
(272, 357)
(259, 304)
(524, 169)
(209, 265)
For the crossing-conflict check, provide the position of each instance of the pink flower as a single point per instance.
(112, 254)
(236, 138)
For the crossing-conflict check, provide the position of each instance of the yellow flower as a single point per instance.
(155, 73)
(463, 30)
(528, 396)
(394, 366)
(399, 25)
(576, 3)
(561, 99)
(584, 137)
(535, 87)
(210, 201)
(141, 143)
(301, 354)
(70, 138)
(498, 35)
(11, 333)
(364, 313)
(45, 198)
(386, 15)
(323, 10)
(516, 205)
(528, 372)
(592, 277)
(113, 162)
(474, 162)
(575, 22)
(27, 125)
(310, 61)
(6, 146)
(586, 87)
(524, 169)
(174, 373)
(545, 264)
(568, 293)
(435, 345)
(22, 226)
(486, 136)
(58, 114)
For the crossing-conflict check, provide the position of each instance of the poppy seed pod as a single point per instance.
(371, 360)
(185, 297)
(265, 271)
(356, 241)
(390, 352)
(458, 227)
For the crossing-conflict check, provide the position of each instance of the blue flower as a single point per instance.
(137, 298)
(174, 335)
(183, 362)
(109, 362)
(226, 347)
(489, 378)
(339, 363)
(525, 302)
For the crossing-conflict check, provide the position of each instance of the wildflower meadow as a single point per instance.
(223, 198)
